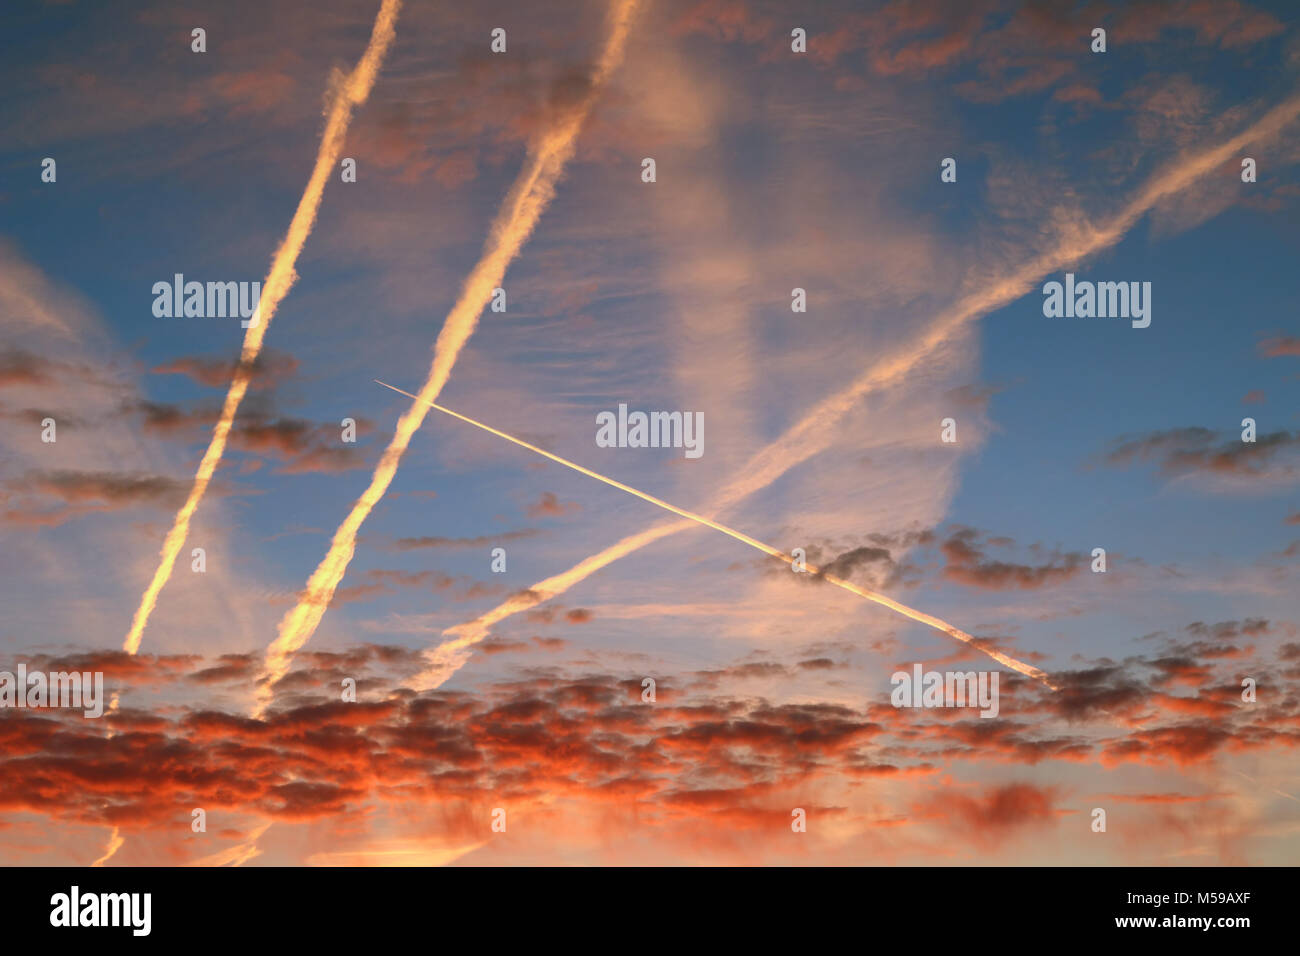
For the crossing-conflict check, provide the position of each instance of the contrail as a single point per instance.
(1280, 793)
(1027, 669)
(115, 841)
(524, 204)
(236, 855)
(816, 430)
(350, 91)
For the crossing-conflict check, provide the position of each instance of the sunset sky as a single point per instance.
(775, 170)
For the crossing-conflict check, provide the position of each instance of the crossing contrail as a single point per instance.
(350, 92)
(524, 204)
(816, 431)
(434, 677)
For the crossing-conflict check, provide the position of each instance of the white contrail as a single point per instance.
(524, 204)
(351, 91)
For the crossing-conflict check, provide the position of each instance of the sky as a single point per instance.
(513, 695)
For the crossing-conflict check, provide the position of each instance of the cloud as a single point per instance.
(486, 540)
(302, 446)
(1279, 346)
(20, 367)
(1106, 688)
(1229, 24)
(1183, 451)
(1226, 631)
(572, 747)
(305, 446)
(549, 506)
(269, 369)
(1013, 48)
(968, 564)
(495, 646)
(55, 496)
(253, 91)
(384, 581)
(998, 810)
(872, 565)
(1184, 744)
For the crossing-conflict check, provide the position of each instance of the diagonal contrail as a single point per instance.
(236, 855)
(115, 841)
(351, 91)
(524, 204)
(434, 676)
(816, 430)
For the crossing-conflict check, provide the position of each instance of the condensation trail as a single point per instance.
(236, 855)
(1280, 793)
(115, 841)
(350, 91)
(816, 430)
(524, 204)
(434, 676)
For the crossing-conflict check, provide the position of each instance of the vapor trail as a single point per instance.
(236, 855)
(524, 204)
(350, 91)
(816, 430)
(115, 841)
(1280, 793)
(434, 676)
